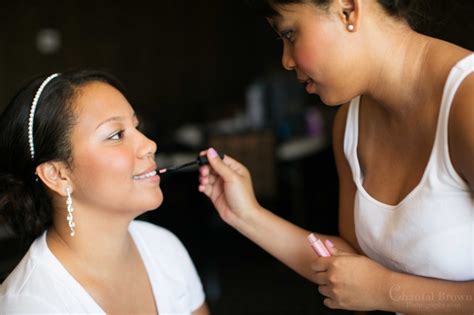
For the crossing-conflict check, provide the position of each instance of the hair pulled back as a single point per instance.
(408, 10)
(24, 202)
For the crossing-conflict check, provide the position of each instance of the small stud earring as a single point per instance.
(350, 27)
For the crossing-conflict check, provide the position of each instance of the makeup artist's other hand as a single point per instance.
(229, 186)
(351, 282)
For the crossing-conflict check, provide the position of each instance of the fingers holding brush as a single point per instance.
(229, 186)
(207, 177)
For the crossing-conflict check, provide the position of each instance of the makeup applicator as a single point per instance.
(200, 160)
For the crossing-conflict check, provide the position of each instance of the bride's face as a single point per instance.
(113, 166)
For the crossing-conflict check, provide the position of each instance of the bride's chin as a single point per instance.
(155, 202)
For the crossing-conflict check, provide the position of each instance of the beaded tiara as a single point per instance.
(32, 113)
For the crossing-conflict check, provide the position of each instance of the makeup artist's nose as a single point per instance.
(287, 59)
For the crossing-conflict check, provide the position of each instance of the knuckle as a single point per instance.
(317, 279)
(328, 303)
(320, 289)
(336, 263)
(332, 279)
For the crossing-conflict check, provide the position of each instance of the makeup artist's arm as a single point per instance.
(232, 195)
(202, 310)
(355, 282)
(228, 184)
(347, 188)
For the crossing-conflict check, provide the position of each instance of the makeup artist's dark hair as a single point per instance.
(408, 10)
(25, 204)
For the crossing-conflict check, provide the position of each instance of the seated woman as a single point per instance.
(74, 173)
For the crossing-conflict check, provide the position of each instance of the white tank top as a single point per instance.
(431, 231)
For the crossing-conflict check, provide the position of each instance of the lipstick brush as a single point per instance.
(200, 160)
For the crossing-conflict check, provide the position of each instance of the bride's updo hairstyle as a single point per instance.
(25, 203)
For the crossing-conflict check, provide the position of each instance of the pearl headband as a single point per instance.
(32, 113)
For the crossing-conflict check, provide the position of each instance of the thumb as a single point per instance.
(333, 250)
(218, 164)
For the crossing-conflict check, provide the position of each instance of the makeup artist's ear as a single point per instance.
(55, 175)
(348, 12)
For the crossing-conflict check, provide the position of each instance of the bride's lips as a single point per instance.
(149, 173)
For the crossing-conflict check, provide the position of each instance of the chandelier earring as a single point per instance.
(70, 210)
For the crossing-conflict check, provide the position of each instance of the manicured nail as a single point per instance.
(212, 153)
(329, 244)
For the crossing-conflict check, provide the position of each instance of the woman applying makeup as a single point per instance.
(74, 173)
(404, 146)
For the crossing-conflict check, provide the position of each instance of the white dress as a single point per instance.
(41, 285)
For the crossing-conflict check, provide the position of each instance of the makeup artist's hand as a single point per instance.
(351, 282)
(229, 186)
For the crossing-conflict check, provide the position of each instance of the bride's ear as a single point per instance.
(55, 175)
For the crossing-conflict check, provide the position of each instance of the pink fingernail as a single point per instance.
(329, 243)
(212, 153)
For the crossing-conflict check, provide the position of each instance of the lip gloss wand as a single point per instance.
(200, 160)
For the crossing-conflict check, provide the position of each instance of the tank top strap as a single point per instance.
(458, 73)
(351, 138)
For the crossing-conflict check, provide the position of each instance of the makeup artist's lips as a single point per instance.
(309, 83)
(309, 86)
(302, 80)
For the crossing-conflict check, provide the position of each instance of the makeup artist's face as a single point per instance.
(315, 46)
(113, 162)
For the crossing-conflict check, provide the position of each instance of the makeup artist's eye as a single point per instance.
(288, 35)
(117, 135)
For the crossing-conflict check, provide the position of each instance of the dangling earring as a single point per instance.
(70, 210)
(350, 27)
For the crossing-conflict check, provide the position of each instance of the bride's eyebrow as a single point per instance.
(114, 119)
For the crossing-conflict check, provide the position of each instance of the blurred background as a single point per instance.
(200, 74)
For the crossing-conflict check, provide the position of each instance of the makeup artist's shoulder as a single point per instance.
(440, 59)
(461, 130)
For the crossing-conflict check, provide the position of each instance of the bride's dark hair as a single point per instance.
(24, 202)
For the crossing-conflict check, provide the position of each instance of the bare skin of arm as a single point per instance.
(202, 310)
(232, 193)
